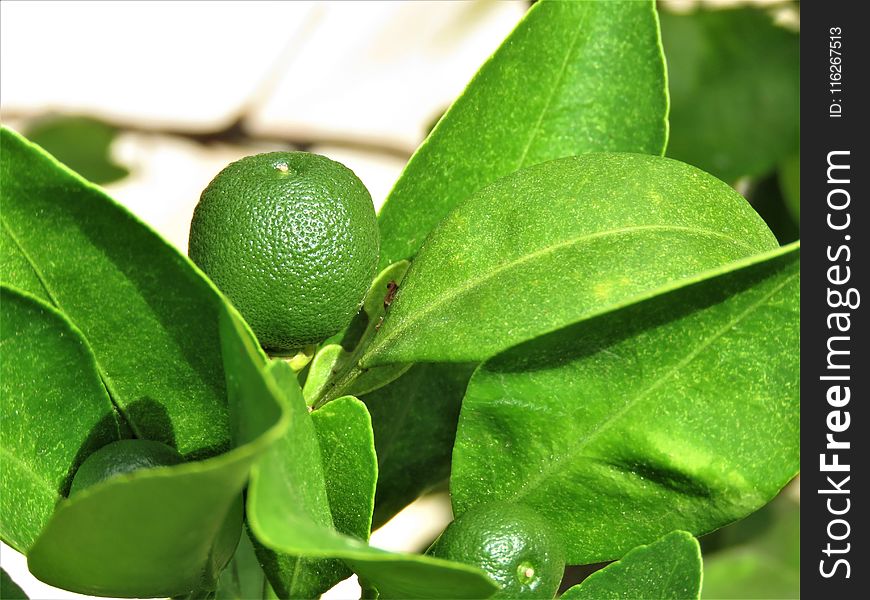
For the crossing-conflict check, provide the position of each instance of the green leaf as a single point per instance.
(680, 412)
(288, 511)
(343, 458)
(243, 578)
(323, 367)
(766, 564)
(573, 77)
(668, 569)
(9, 590)
(81, 143)
(55, 412)
(734, 79)
(147, 313)
(120, 537)
(350, 468)
(296, 458)
(558, 243)
(335, 370)
(414, 420)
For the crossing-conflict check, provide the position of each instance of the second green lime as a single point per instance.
(292, 239)
(512, 544)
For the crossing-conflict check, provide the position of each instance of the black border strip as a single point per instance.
(834, 227)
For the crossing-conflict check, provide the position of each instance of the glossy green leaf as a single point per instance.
(55, 412)
(335, 371)
(81, 143)
(9, 590)
(680, 412)
(667, 569)
(343, 458)
(288, 512)
(323, 367)
(573, 77)
(147, 313)
(168, 530)
(734, 79)
(350, 468)
(414, 420)
(766, 562)
(555, 244)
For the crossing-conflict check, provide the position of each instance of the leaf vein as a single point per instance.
(468, 286)
(576, 448)
(30, 262)
(558, 83)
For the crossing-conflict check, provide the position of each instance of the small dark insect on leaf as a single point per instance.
(392, 287)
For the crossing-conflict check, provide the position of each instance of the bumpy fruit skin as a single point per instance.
(118, 458)
(292, 239)
(512, 544)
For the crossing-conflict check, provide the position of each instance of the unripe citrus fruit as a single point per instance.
(292, 239)
(509, 542)
(126, 456)
(123, 456)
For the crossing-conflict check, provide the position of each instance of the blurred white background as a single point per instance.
(192, 86)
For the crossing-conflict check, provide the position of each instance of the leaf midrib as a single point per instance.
(29, 261)
(576, 449)
(375, 349)
(557, 85)
(107, 380)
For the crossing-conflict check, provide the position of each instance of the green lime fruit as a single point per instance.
(118, 458)
(291, 238)
(512, 544)
(126, 456)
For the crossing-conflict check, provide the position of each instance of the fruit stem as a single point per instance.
(299, 360)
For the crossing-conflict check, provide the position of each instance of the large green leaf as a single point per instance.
(168, 530)
(573, 77)
(766, 561)
(55, 412)
(681, 412)
(288, 511)
(414, 420)
(667, 569)
(734, 79)
(557, 243)
(333, 447)
(147, 313)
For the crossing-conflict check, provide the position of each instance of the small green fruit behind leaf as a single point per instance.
(292, 239)
(122, 457)
(126, 456)
(512, 544)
